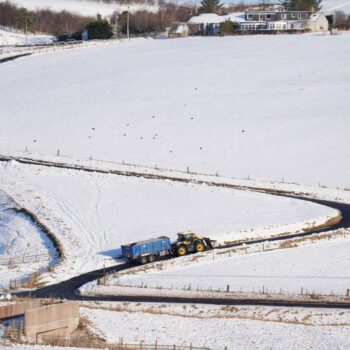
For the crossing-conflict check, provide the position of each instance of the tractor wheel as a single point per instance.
(199, 247)
(182, 250)
(151, 258)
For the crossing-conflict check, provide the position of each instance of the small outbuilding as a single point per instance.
(178, 30)
(317, 22)
(208, 24)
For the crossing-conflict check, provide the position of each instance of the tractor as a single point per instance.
(191, 243)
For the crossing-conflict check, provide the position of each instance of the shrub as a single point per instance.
(99, 29)
(229, 28)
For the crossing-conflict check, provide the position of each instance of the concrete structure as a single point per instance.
(51, 320)
(18, 309)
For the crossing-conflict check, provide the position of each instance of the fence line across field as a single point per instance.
(27, 259)
(83, 341)
(27, 49)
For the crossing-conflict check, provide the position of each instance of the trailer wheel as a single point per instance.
(199, 247)
(143, 260)
(151, 258)
(182, 250)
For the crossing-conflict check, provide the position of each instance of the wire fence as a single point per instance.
(26, 259)
(57, 46)
(27, 281)
(88, 342)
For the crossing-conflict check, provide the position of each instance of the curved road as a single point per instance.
(66, 289)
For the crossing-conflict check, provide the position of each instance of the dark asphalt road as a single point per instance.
(66, 289)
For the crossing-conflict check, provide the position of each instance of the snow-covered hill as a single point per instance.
(12, 37)
(273, 107)
(84, 7)
(93, 214)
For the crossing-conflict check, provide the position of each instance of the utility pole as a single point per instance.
(26, 30)
(116, 21)
(127, 24)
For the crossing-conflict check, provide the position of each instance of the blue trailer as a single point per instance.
(148, 250)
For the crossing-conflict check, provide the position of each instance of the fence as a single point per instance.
(30, 49)
(28, 281)
(111, 278)
(88, 342)
(26, 259)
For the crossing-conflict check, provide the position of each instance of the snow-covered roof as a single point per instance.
(315, 16)
(214, 18)
(178, 28)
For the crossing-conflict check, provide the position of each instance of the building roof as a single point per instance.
(214, 18)
(178, 28)
(315, 16)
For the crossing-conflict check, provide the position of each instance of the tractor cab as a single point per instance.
(186, 237)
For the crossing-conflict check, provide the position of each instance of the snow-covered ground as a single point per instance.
(24, 248)
(230, 327)
(211, 104)
(93, 214)
(8, 37)
(280, 116)
(291, 271)
(39, 347)
(85, 7)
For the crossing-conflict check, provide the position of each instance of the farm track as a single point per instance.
(67, 289)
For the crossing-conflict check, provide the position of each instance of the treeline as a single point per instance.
(41, 21)
(142, 22)
(341, 20)
(148, 22)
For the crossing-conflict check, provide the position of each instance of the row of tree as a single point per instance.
(42, 21)
(57, 23)
(341, 20)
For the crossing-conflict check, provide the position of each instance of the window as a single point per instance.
(284, 16)
(293, 15)
(300, 15)
(249, 16)
(268, 16)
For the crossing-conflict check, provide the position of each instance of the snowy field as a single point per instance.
(233, 329)
(280, 116)
(210, 104)
(285, 270)
(24, 248)
(93, 214)
(84, 7)
(8, 37)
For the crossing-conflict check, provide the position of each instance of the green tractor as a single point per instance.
(191, 243)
